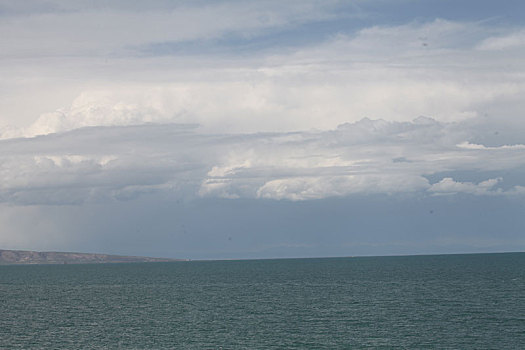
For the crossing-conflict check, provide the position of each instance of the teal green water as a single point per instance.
(415, 302)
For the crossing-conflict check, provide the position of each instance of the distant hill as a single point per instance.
(9, 257)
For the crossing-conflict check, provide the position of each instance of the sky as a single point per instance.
(262, 129)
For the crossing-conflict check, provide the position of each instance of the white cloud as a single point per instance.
(94, 66)
(95, 32)
(396, 73)
(449, 186)
(305, 188)
(517, 190)
(366, 157)
(468, 145)
(509, 41)
(295, 101)
(279, 103)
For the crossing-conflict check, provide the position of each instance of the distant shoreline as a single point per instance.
(354, 256)
(28, 257)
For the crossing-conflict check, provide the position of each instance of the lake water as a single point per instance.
(414, 302)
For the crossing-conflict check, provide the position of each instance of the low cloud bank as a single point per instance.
(366, 157)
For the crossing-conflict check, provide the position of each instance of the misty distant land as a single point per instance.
(26, 257)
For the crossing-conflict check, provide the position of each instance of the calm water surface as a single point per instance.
(415, 302)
